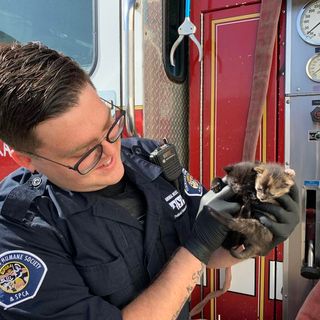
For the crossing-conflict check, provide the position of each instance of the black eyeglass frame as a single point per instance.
(121, 115)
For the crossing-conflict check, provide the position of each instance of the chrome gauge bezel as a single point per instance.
(299, 27)
(310, 61)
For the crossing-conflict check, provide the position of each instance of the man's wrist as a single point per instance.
(198, 250)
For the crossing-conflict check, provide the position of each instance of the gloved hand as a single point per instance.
(207, 233)
(286, 215)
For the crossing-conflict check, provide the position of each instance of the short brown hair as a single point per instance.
(36, 84)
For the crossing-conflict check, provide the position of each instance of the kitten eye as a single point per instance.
(259, 189)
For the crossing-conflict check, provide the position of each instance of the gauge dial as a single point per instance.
(313, 68)
(308, 22)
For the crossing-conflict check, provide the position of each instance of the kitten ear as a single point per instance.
(228, 169)
(258, 169)
(290, 172)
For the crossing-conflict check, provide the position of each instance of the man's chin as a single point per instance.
(109, 179)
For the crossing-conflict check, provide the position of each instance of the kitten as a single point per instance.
(252, 182)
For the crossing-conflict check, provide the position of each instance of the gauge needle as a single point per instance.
(317, 70)
(313, 27)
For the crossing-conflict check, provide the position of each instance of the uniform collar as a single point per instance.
(144, 169)
(117, 213)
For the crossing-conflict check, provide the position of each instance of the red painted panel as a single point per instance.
(281, 84)
(198, 8)
(233, 84)
(7, 164)
(227, 83)
(139, 121)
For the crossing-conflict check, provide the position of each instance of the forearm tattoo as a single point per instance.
(195, 277)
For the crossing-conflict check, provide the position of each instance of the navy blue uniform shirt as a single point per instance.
(79, 256)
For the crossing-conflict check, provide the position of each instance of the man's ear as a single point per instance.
(23, 160)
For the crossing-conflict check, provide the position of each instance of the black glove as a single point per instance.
(286, 215)
(207, 233)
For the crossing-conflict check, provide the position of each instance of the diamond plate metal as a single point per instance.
(166, 103)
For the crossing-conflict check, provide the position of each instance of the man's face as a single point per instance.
(66, 138)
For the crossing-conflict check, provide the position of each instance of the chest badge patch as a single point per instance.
(192, 187)
(21, 275)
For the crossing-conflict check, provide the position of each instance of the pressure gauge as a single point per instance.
(308, 22)
(313, 68)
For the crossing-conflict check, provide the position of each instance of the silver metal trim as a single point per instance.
(95, 37)
(288, 47)
(287, 159)
(303, 94)
(287, 133)
(127, 63)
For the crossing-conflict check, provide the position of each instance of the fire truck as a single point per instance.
(243, 80)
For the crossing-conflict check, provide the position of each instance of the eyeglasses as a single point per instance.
(91, 158)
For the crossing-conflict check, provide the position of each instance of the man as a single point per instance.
(99, 230)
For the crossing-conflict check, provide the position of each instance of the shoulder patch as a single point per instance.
(192, 187)
(21, 275)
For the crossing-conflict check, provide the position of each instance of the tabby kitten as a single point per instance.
(252, 182)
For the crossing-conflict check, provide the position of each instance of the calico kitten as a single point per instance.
(252, 182)
(273, 181)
